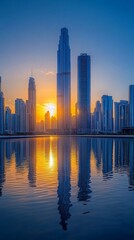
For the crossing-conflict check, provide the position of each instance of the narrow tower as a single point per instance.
(84, 89)
(63, 82)
(32, 104)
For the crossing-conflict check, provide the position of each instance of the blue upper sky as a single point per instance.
(29, 34)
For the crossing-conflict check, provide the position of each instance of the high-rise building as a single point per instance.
(20, 112)
(63, 82)
(32, 104)
(14, 123)
(107, 113)
(47, 121)
(131, 105)
(116, 117)
(96, 118)
(121, 113)
(1, 110)
(84, 89)
(27, 116)
(8, 120)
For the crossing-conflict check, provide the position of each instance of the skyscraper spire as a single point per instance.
(63, 82)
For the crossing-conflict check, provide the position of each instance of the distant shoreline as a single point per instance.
(66, 135)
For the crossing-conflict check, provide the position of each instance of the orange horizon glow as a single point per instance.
(51, 107)
(41, 109)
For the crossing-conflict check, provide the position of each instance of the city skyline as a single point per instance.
(67, 119)
(106, 41)
(104, 119)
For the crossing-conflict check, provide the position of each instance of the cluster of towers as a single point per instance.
(104, 119)
(24, 118)
(117, 117)
(83, 121)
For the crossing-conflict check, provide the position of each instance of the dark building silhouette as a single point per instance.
(8, 120)
(47, 121)
(20, 115)
(121, 118)
(96, 118)
(64, 186)
(107, 114)
(84, 94)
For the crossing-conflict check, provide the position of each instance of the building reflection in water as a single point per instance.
(105, 151)
(25, 151)
(121, 154)
(2, 166)
(84, 151)
(9, 149)
(96, 147)
(64, 186)
(47, 149)
(20, 153)
(31, 156)
(107, 157)
(131, 165)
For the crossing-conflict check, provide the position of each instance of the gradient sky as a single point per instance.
(29, 34)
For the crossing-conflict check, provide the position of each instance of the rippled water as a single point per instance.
(67, 188)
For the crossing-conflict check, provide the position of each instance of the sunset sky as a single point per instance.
(29, 34)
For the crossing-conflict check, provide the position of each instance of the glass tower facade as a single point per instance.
(107, 113)
(84, 89)
(32, 104)
(63, 82)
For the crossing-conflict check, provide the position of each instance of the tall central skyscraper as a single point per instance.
(84, 89)
(32, 104)
(63, 82)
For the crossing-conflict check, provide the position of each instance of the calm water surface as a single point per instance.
(67, 188)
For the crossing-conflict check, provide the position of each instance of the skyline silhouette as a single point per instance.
(102, 29)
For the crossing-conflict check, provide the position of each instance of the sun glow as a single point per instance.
(51, 108)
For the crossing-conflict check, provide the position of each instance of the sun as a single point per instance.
(51, 108)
